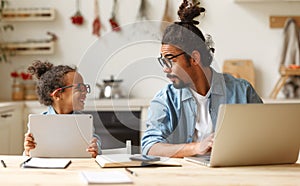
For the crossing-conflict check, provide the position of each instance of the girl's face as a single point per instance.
(71, 98)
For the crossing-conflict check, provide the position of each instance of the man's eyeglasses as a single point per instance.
(80, 87)
(167, 62)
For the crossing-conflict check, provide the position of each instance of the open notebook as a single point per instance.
(124, 160)
(254, 134)
(46, 163)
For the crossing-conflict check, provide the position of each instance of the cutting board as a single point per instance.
(240, 68)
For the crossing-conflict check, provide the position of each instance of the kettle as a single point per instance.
(110, 88)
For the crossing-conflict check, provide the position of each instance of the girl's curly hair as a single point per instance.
(49, 78)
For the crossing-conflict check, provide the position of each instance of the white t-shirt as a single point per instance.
(204, 125)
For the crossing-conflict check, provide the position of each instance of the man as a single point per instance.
(182, 116)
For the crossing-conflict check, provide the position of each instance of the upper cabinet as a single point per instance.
(28, 14)
(265, 1)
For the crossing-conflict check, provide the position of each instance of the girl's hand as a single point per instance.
(93, 148)
(29, 143)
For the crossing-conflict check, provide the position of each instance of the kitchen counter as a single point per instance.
(11, 103)
(97, 104)
(132, 103)
(117, 104)
(281, 100)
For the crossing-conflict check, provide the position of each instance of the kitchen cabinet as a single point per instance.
(115, 127)
(117, 120)
(11, 128)
(5, 132)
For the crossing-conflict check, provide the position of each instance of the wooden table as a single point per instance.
(188, 174)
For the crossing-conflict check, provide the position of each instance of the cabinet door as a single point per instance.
(11, 130)
(4, 133)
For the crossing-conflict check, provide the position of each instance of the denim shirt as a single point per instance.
(172, 112)
(52, 111)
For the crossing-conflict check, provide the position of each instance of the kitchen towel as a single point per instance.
(291, 56)
(291, 44)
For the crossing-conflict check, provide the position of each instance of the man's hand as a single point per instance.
(205, 145)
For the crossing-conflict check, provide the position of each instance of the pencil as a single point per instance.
(130, 171)
(3, 163)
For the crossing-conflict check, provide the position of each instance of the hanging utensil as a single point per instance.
(77, 18)
(166, 18)
(96, 22)
(114, 25)
(142, 11)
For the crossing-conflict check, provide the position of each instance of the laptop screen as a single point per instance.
(256, 134)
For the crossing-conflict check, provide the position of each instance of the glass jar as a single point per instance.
(30, 90)
(17, 90)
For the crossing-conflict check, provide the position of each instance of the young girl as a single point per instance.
(61, 88)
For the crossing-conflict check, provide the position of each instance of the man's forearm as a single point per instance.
(173, 150)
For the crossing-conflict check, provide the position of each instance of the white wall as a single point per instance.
(239, 31)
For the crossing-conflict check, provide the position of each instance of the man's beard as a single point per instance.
(178, 85)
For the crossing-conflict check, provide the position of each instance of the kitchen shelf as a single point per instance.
(29, 48)
(279, 21)
(28, 14)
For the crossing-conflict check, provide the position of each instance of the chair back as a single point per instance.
(240, 68)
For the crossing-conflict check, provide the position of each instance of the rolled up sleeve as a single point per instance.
(158, 125)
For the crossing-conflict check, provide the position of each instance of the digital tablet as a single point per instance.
(61, 135)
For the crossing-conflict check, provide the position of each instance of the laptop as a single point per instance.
(254, 134)
(61, 135)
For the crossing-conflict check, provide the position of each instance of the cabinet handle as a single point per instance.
(6, 115)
